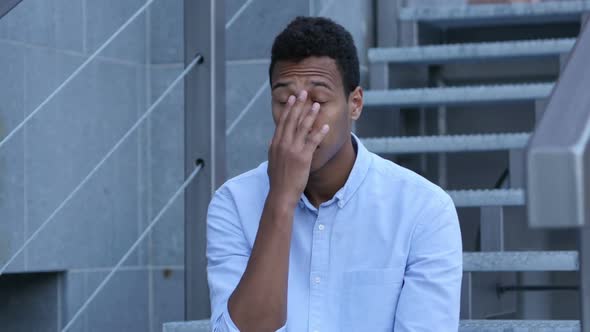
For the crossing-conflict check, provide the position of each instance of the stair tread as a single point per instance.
(487, 197)
(446, 143)
(531, 325)
(188, 326)
(455, 52)
(521, 261)
(457, 95)
(493, 11)
(467, 325)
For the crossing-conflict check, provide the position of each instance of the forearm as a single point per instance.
(259, 302)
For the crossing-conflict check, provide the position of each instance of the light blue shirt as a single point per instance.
(384, 254)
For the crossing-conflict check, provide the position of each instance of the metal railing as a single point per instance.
(204, 119)
(7, 5)
(558, 166)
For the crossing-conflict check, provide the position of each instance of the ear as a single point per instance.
(355, 103)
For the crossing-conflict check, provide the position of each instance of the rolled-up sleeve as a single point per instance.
(431, 293)
(227, 257)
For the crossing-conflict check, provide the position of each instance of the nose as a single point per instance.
(308, 102)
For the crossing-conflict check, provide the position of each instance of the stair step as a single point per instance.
(520, 325)
(487, 197)
(438, 54)
(189, 326)
(457, 95)
(483, 14)
(465, 326)
(520, 261)
(448, 143)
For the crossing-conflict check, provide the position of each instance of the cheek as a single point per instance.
(322, 119)
(275, 116)
(334, 118)
(333, 135)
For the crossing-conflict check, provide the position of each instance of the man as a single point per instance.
(327, 236)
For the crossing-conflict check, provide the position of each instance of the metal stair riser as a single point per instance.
(457, 95)
(450, 143)
(499, 12)
(492, 197)
(440, 54)
(521, 261)
(520, 325)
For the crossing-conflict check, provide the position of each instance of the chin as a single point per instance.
(314, 169)
(317, 162)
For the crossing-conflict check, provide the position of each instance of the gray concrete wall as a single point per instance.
(41, 43)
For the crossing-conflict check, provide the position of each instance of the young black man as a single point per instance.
(327, 236)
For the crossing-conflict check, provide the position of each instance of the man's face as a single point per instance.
(320, 77)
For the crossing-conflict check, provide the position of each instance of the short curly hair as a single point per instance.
(318, 36)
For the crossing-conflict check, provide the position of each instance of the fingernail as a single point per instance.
(315, 107)
(302, 95)
(325, 128)
(291, 100)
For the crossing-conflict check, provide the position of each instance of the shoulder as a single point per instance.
(426, 207)
(397, 181)
(246, 186)
(237, 205)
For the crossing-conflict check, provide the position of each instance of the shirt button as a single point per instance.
(317, 280)
(321, 227)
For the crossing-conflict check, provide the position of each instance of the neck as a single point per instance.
(326, 181)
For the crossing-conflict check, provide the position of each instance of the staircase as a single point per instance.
(417, 85)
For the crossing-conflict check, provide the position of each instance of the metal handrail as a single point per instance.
(558, 162)
(557, 156)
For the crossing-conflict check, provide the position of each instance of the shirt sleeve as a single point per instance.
(228, 252)
(227, 257)
(431, 294)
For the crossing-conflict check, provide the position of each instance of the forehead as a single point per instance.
(317, 67)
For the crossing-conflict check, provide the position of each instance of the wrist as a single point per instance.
(283, 200)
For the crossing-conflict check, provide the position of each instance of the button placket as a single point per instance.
(319, 264)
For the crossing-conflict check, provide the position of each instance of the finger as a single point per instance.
(282, 118)
(306, 124)
(304, 111)
(315, 138)
(292, 119)
(303, 115)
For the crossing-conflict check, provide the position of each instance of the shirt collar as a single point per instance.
(358, 173)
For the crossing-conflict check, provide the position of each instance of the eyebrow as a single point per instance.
(319, 83)
(314, 83)
(281, 85)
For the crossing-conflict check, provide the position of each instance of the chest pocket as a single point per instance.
(369, 299)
